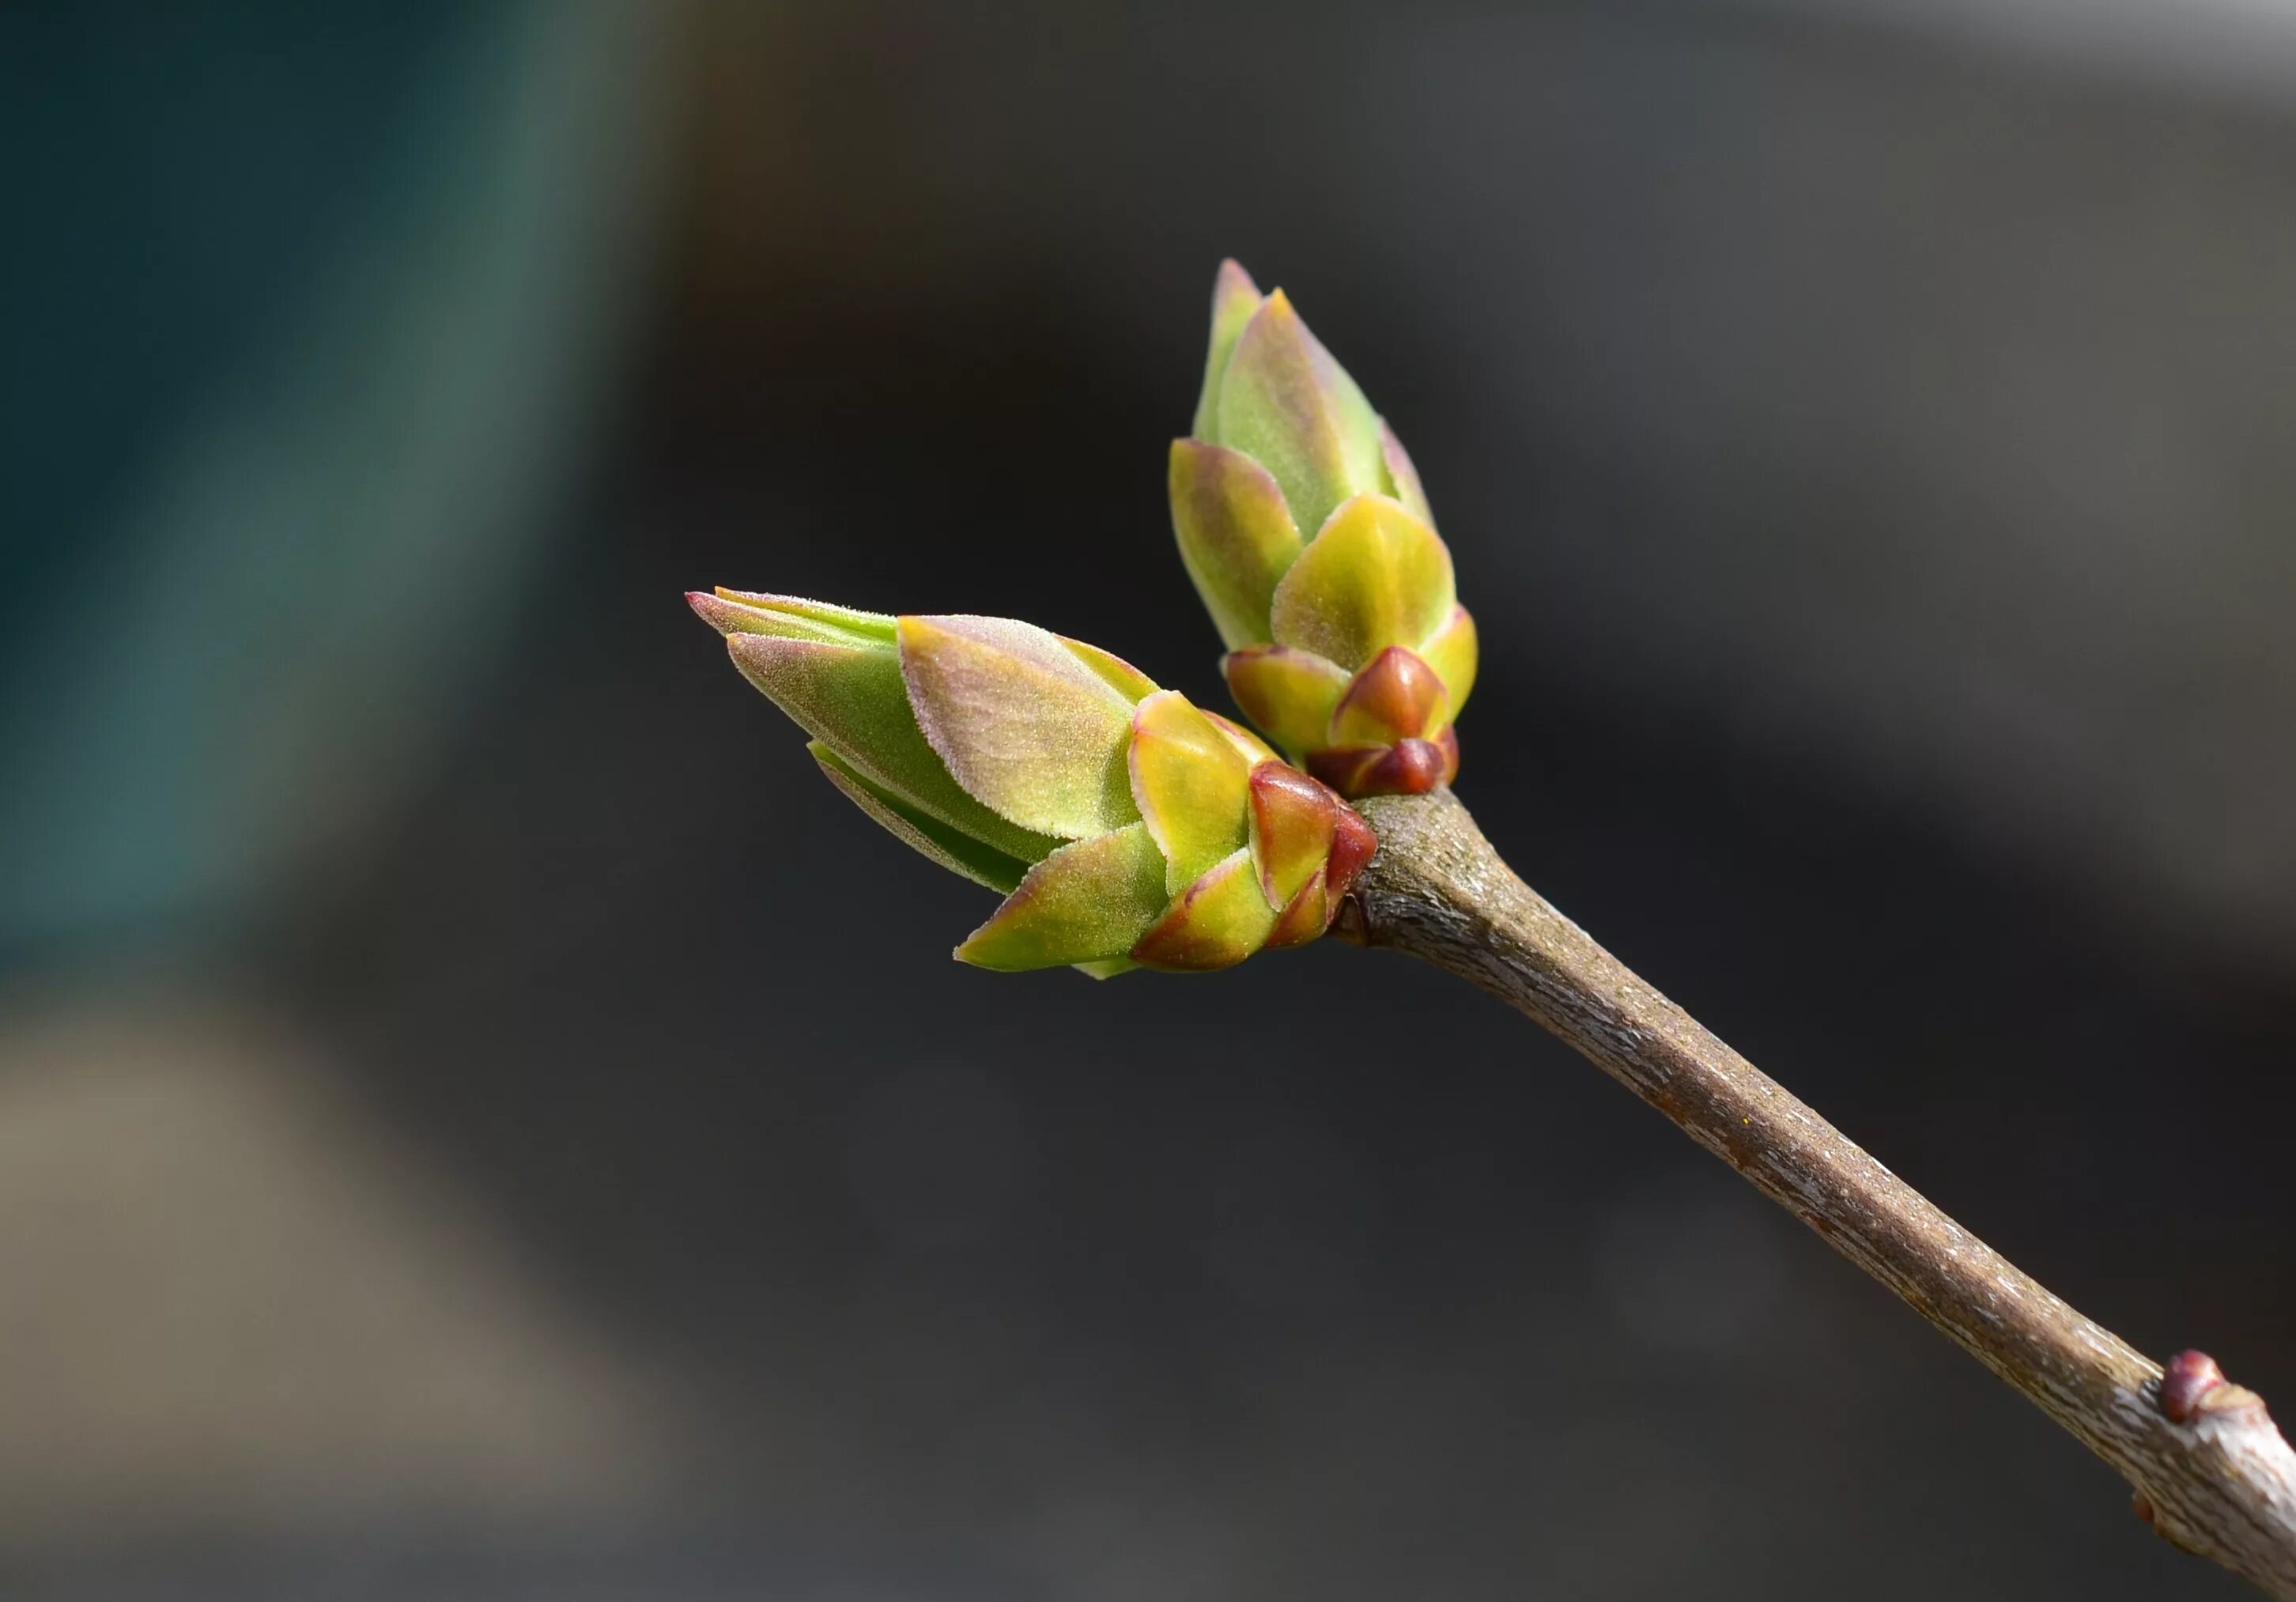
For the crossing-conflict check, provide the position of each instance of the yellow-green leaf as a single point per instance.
(1219, 921)
(1088, 902)
(1374, 576)
(1189, 782)
(925, 834)
(1235, 536)
(851, 698)
(1289, 693)
(1286, 404)
(1450, 651)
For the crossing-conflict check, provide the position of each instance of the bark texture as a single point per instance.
(2211, 1471)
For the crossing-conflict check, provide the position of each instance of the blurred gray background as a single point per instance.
(480, 1120)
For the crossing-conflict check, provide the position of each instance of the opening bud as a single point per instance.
(1123, 825)
(1303, 525)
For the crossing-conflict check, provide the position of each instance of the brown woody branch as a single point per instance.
(2211, 1471)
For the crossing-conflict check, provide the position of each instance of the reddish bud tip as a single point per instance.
(1394, 698)
(1346, 770)
(1414, 768)
(715, 611)
(1448, 742)
(1353, 845)
(1304, 918)
(1274, 784)
(1406, 767)
(2189, 1376)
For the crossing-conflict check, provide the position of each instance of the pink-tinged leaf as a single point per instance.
(1122, 676)
(953, 849)
(732, 612)
(1255, 750)
(1294, 822)
(1234, 298)
(1287, 405)
(1021, 722)
(1374, 576)
(1189, 782)
(1402, 476)
(1219, 921)
(1398, 697)
(852, 699)
(1235, 536)
(1304, 918)
(1290, 694)
(1088, 902)
(1451, 651)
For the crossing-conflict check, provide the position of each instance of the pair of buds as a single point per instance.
(1125, 826)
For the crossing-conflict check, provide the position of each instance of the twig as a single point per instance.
(2211, 1471)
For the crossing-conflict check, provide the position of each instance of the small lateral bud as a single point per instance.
(2186, 1382)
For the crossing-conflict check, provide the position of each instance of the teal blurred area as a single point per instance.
(316, 309)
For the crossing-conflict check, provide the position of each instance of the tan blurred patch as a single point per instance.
(229, 1303)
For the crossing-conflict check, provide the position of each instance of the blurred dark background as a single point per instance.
(479, 1119)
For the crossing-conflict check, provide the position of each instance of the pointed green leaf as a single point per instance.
(1089, 902)
(1402, 476)
(1374, 576)
(732, 612)
(1188, 780)
(873, 625)
(1021, 722)
(852, 699)
(1450, 651)
(1219, 921)
(1289, 693)
(1108, 969)
(1121, 676)
(1234, 298)
(953, 849)
(1285, 403)
(1235, 536)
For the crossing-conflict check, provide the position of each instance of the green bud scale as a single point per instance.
(1347, 646)
(1124, 826)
